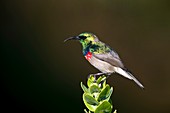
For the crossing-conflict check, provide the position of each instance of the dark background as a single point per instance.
(42, 74)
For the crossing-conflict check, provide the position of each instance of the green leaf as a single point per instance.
(100, 79)
(90, 101)
(115, 111)
(84, 88)
(94, 88)
(90, 80)
(108, 95)
(105, 93)
(85, 111)
(104, 107)
(104, 84)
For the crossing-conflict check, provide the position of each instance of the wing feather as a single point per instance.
(110, 57)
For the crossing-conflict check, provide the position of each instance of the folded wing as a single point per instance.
(110, 57)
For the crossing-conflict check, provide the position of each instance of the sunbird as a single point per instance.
(102, 56)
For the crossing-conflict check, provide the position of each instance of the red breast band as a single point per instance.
(88, 55)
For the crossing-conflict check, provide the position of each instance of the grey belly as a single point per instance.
(101, 65)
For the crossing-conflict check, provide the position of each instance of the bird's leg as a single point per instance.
(107, 76)
(97, 74)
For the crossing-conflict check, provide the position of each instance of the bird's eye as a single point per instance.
(82, 37)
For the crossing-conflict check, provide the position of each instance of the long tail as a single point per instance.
(128, 75)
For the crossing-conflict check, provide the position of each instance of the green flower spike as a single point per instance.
(97, 96)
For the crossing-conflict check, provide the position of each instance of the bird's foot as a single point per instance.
(98, 74)
(95, 75)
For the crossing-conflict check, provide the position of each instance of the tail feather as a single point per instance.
(128, 75)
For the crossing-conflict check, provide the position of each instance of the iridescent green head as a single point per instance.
(85, 38)
(88, 38)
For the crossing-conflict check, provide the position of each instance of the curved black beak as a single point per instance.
(72, 38)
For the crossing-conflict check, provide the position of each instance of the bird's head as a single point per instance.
(84, 38)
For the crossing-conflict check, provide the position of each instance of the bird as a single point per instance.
(102, 56)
